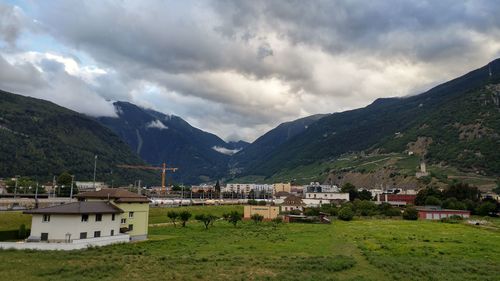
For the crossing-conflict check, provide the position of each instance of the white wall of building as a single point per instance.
(75, 245)
(327, 195)
(60, 225)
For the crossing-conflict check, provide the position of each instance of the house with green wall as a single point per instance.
(135, 207)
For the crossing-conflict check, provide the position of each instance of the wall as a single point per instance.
(279, 187)
(327, 195)
(75, 245)
(268, 212)
(60, 225)
(140, 219)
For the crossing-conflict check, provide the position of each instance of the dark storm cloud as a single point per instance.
(259, 63)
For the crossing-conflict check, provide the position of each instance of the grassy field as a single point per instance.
(357, 250)
(159, 215)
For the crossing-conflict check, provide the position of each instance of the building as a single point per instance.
(423, 171)
(292, 203)
(202, 188)
(74, 221)
(436, 213)
(316, 194)
(268, 212)
(134, 219)
(242, 188)
(84, 186)
(397, 199)
(282, 187)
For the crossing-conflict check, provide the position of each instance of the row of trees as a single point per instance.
(458, 196)
(208, 220)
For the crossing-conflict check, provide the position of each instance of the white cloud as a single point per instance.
(224, 150)
(156, 124)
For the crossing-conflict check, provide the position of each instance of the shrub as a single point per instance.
(252, 202)
(257, 218)
(262, 203)
(311, 212)
(346, 214)
(276, 221)
(410, 213)
(234, 217)
(22, 233)
(206, 219)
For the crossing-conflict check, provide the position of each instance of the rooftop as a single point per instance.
(121, 195)
(82, 207)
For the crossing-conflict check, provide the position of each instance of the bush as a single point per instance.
(346, 214)
(173, 216)
(410, 213)
(311, 212)
(22, 233)
(257, 218)
(252, 202)
(262, 203)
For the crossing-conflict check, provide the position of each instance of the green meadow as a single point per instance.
(362, 249)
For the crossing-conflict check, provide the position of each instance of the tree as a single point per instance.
(432, 201)
(205, 219)
(257, 218)
(462, 191)
(410, 213)
(311, 212)
(426, 192)
(64, 182)
(497, 189)
(364, 207)
(184, 217)
(346, 213)
(234, 217)
(486, 208)
(454, 204)
(173, 216)
(365, 195)
(217, 187)
(351, 189)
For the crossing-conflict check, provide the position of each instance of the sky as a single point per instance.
(239, 68)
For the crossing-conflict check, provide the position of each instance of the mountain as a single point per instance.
(258, 151)
(40, 139)
(457, 123)
(158, 138)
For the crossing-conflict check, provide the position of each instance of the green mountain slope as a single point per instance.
(41, 139)
(455, 103)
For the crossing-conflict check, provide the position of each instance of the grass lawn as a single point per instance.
(357, 250)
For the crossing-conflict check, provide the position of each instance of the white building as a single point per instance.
(89, 185)
(245, 188)
(74, 221)
(316, 194)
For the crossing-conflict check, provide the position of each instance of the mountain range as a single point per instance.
(456, 123)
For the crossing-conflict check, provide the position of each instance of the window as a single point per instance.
(130, 227)
(124, 220)
(44, 236)
(46, 218)
(130, 214)
(113, 217)
(112, 232)
(83, 235)
(85, 218)
(97, 234)
(98, 217)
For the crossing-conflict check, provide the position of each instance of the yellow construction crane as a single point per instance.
(163, 169)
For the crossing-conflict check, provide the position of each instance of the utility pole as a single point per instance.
(54, 185)
(71, 190)
(15, 188)
(95, 166)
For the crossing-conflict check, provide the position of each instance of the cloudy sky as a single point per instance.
(239, 68)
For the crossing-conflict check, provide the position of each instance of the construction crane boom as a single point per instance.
(163, 169)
